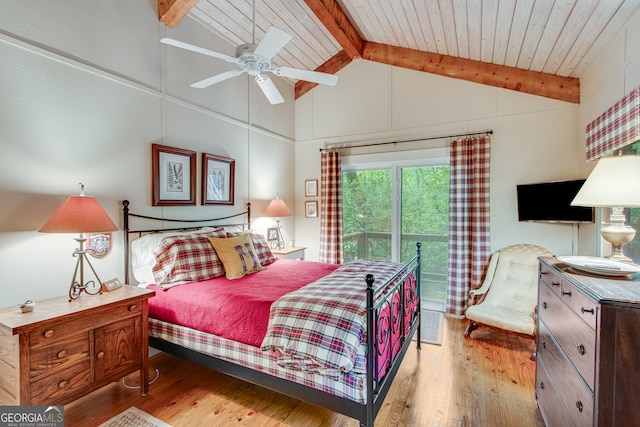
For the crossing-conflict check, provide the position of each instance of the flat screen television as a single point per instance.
(551, 202)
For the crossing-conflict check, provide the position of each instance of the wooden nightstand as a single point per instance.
(292, 252)
(64, 350)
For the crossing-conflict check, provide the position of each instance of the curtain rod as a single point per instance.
(487, 132)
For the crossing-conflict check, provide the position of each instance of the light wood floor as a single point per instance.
(485, 381)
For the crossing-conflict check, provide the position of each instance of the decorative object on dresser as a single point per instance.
(277, 208)
(507, 298)
(613, 183)
(80, 214)
(587, 348)
(218, 180)
(173, 176)
(62, 350)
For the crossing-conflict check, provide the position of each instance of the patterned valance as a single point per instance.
(617, 127)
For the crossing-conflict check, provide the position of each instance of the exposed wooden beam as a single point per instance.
(336, 21)
(171, 12)
(532, 82)
(332, 66)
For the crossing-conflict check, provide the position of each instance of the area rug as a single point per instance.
(134, 417)
(431, 324)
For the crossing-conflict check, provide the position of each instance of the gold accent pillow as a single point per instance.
(237, 254)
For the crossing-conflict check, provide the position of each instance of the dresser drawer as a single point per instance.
(59, 354)
(584, 306)
(553, 410)
(63, 386)
(575, 394)
(55, 331)
(574, 336)
(550, 278)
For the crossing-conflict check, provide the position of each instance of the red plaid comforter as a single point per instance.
(322, 326)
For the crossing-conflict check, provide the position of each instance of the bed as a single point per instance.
(341, 353)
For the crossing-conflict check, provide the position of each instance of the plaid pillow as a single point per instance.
(260, 246)
(189, 258)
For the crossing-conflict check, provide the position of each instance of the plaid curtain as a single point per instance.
(331, 249)
(469, 245)
(616, 127)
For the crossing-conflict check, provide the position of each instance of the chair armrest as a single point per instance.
(491, 269)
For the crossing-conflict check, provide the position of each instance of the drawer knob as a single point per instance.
(544, 305)
(544, 344)
(62, 353)
(542, 385)
(579, 406)
(132, 307)
(63, 384)
(100, 355)
(567, 293)
(555, 283)
(48, 333)
(584, 310)
(581, 350)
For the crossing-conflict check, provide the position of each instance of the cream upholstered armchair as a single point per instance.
(508, 296)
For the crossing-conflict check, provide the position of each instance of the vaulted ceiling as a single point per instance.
(540, 47)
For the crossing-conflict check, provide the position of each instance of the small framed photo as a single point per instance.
(272, 236)
(218, 178)
(311, 188)
(311, 209)
(174, 176)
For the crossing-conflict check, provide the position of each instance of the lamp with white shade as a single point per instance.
(80, 214)
(277, 208)
(614, 183)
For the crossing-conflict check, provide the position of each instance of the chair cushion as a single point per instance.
(502, 317)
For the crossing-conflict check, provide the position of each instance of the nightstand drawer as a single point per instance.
(59, 354)
(576, 338)
(56, 331)
(61, 387)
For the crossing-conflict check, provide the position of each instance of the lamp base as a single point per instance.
(79, 286)
(618, 235)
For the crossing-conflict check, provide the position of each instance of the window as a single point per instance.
(632, 249)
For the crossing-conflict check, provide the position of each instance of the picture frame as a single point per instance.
(311, 209)
(218, 180)
(173, 176)
(272, 235)
(311, 188)
(98, 244)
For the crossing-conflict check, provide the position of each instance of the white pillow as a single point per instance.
(142, 258)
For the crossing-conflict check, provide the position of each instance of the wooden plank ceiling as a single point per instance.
(540, 47)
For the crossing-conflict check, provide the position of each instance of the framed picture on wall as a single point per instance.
(311, 188)
(173, 176)
(311, 209)
(218, 178)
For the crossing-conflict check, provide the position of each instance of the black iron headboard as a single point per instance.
(194, 223)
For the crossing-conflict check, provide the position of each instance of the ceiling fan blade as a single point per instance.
(197, 49)
(310, 76)
(272, 42)
(216, 79)
(269, 89)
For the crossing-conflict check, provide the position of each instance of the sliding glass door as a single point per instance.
(386, 210)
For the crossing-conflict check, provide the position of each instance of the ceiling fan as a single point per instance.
(255, 60)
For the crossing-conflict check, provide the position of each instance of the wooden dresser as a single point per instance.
(588, 348)
(64, 350)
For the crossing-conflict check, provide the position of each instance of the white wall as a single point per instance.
(615, 73)
(535, 139)
(85, 89)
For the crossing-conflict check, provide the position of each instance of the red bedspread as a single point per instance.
(234, 309)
